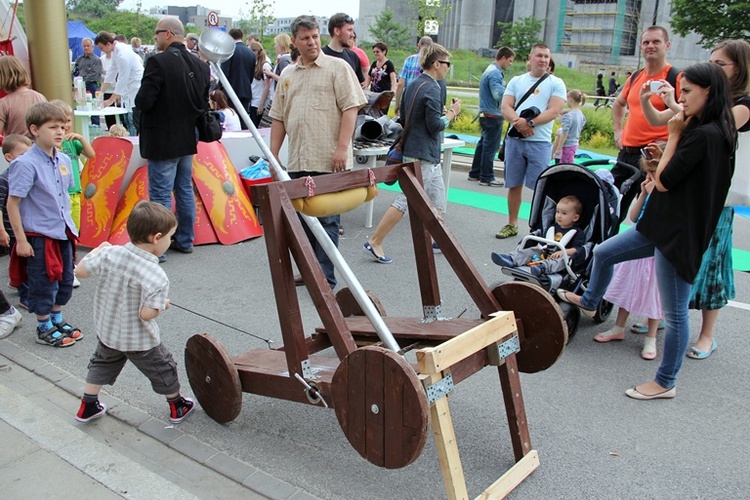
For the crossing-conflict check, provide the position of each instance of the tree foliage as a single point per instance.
(391, 32)
(93, 8)
(129, 24)
(426, 10)
(520, 36)
(713, 20)
(257, 18)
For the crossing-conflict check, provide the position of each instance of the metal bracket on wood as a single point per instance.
(308, 372)
(499, 351)
(433, 313)
(441, 388)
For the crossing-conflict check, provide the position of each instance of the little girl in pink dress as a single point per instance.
(634, 288)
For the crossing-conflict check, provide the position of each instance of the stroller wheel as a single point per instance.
(603, 311)
(361, 159)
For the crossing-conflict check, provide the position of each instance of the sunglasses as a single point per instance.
(447, 63)
(160, 31)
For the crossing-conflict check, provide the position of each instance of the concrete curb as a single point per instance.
(166, 433)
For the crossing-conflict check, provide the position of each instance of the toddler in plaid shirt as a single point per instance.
(131, 292)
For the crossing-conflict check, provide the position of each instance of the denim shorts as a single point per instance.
(434, 186)
(525, 161)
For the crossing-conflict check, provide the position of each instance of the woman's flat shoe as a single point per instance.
(382, 259)
(694, 353)
(668, 394)
(563, 295)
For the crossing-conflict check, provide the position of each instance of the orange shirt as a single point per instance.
(637, 131)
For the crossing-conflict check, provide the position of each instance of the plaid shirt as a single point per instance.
(130, 278)
(310, 101)
(411, 69)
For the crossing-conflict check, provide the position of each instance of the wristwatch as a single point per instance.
(530, 122)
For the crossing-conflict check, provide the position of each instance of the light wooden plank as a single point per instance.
(436, 359)
(446, 445)
(513, 477)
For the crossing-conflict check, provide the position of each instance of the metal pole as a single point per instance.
(314, 224)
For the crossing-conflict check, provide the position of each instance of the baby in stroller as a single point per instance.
(563, 240)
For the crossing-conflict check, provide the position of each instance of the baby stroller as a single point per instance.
(599, 221)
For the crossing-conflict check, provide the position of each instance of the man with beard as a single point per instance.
(341, 29)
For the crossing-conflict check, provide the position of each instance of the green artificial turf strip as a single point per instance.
(499, 205)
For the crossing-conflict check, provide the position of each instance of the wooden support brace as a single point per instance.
(512, 478)
(445, 442)
(436, 359)
(434, 364)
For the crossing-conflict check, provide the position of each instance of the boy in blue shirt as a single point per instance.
(39, 212)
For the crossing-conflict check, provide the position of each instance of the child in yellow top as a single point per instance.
(73, 146)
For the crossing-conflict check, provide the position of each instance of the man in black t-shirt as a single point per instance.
(341, 29)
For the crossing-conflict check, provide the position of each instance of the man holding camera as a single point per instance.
(528, 146)
(637, 133)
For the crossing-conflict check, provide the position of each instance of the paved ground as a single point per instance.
(592, 440)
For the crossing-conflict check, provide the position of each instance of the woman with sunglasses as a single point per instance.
(714, 286)
(422, 108)
(692, 182)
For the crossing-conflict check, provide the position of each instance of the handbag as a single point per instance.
(501, 151)
(208, 123)
(209, 126)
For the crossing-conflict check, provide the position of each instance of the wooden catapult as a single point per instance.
(383, 403)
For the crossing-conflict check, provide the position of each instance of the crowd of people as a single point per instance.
(683, 134)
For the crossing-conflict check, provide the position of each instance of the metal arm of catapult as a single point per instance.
(218, 46)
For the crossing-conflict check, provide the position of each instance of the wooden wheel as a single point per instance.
(381, 406)
(349, 305)
(213, 378)
(545, 331)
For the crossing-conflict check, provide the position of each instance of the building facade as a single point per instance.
(602, 32)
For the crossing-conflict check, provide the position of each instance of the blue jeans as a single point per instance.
(673, 291)
(331, 225)
(489, 143)
(43, 294)
(175, 174)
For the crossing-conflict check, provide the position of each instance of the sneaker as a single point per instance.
(492, 183)
(180, 409)
(473, 179)
(436, 248)
(76, 283)
(9, 322)
(162, 258)
(23, 304)
(506, 232)
(89, 411)
(502, 259)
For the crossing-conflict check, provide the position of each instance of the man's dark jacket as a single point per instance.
(239, 70)
(173, 94)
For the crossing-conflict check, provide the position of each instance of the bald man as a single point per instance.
(173, 94)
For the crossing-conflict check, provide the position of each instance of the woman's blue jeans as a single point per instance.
(673, 291)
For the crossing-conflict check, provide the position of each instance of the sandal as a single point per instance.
(53, 337)
(70, 331)
(643, 328)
